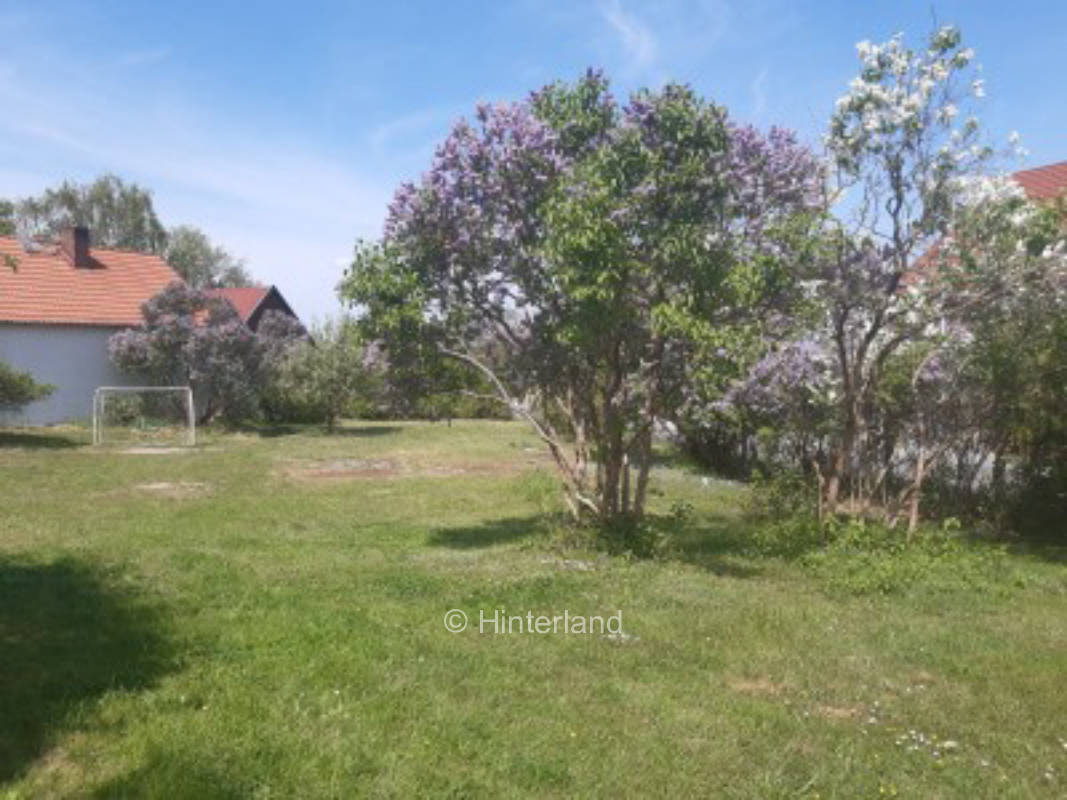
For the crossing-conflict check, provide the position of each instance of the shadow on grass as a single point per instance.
(718, 544)
(176, 777)
(66, 637)
(1053, 552)
(488, 534)
(277, 431)
(43, 440)
(363, 430)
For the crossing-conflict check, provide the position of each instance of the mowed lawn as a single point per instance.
(263, 617)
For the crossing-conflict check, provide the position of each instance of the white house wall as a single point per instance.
(71, 357)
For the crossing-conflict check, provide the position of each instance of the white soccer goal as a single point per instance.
(153, 416)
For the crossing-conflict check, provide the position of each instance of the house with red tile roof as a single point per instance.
(1040, 185)
(1043, 184)
(63, 301)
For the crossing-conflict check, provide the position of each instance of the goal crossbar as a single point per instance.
(101, 393)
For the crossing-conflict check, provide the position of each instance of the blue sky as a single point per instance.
(282, 129)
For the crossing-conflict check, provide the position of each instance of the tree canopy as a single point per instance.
(122, 215)
(201, 263)
(118, 214)
(867, 385)
(572, 249)
(189, 338)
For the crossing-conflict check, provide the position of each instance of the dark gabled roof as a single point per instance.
(249, 300)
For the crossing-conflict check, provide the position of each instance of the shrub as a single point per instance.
(782, 495)
(19, 388)
(191, 339)
(862, 557)
(321, 379)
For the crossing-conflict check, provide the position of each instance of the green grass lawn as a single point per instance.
(263, 617)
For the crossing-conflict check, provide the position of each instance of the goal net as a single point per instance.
(151, 416)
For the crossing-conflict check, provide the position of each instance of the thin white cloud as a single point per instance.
(711, 22)
(652, 42)
(142, 58)
(758, 87)
(638, 41)
(280, 204)
(403, 129)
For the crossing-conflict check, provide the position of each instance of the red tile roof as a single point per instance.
(245, 299)
(1043, 183)
(47, 288)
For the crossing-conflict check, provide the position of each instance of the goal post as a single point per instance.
(147, 415)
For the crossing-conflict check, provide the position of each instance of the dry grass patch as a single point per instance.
(839, 712)
(177, 490)
(760, 687)
(362, 468)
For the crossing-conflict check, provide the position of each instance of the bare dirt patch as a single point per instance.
(343, 468)
(363, 468)
(839, 712)
(572, 564)
(180, 490)
(155, 451)
(757, 686)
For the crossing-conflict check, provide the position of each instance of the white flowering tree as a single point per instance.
(919, 242)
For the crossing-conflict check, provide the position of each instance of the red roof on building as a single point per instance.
(1043, 183)
(245, 299)
(46, 287)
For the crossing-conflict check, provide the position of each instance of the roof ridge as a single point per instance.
(1043, 166)
(121, 250)
(46, 289)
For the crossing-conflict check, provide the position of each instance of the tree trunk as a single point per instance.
(916, 490)
(609, 490)
(841, 460)
(999, 474)
(644, 467)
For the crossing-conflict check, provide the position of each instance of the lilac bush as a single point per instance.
(190, 338)
(922, 246)
(579, 254)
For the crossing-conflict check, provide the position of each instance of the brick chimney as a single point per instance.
(74, 242)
